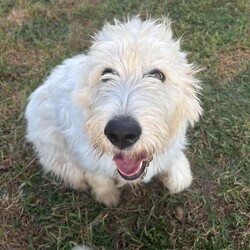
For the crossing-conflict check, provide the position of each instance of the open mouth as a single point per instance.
(131, 167)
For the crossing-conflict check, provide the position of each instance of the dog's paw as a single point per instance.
(83, 186)
(108, 196)
(178, 177)
(177, 182)
(104, 189)
(77, 182)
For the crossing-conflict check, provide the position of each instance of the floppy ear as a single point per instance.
(86, 88)
(192, 109)
(189, 109)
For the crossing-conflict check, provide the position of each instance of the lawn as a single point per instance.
(38, 212)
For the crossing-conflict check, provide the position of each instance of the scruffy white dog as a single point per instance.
(118, 114)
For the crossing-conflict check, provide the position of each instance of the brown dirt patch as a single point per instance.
(231, 64)
(18, 16)
(21, 55)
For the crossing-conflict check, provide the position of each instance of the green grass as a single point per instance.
(37, 212)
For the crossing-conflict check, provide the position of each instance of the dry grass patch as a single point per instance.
(19, 16)
(15, 225)
(232, 64)
(79, 35)
(21, 55)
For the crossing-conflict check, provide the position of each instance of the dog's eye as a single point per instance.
(157, 74)
(109, 71)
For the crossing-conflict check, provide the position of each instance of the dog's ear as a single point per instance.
(81, 94)
(189, 109)
(193, 109)
(81, 97)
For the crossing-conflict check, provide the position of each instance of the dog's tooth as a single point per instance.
(144, 174)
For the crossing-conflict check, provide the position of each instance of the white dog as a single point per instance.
(118, 114)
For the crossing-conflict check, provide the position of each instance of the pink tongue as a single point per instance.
(127, 166)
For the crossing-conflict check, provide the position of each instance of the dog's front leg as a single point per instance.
(104, 188)
(178, 176)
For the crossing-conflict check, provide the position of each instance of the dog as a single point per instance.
(119, 113)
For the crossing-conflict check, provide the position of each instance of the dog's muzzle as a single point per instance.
(123, 132)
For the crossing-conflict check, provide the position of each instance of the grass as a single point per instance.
(38, 212)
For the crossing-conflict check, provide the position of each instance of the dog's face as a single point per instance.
(140, 93)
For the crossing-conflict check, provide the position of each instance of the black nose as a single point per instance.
(123, 131)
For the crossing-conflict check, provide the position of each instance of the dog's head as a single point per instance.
(140, 93)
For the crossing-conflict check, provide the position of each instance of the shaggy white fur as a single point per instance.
(118, 114)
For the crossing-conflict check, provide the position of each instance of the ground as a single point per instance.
(37, 212)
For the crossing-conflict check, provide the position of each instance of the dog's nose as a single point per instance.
(123, 131)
